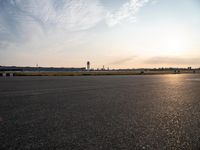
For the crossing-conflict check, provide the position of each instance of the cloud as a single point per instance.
(55, 27)
(173, 61)
(126, 12)
(123, 60)
(3, 45)
(2, 29)
(65, 14)
(24, 20)
(53, 20)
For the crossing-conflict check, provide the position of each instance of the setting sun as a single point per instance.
(174, 44)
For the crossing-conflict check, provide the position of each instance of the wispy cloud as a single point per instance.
(123, 60)
(126, 12)
(29, 27)
(173, 61)
(31, 20)
(33, 17)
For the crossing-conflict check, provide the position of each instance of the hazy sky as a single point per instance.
(114, 33)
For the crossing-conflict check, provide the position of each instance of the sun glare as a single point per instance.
(173, 43)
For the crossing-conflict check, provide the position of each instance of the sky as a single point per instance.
(114, 33)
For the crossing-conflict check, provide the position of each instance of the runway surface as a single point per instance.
(100, 112)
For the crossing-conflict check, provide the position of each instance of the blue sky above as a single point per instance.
(114, 33)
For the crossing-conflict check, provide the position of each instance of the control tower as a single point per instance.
(88, 66)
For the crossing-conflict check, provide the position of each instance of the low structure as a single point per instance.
(88, 66)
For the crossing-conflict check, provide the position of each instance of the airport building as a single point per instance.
(88, 66)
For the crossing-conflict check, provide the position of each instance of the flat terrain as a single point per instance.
(100, 73)
(100, 112)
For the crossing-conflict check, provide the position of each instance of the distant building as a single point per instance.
(88, 66)
(44, 69)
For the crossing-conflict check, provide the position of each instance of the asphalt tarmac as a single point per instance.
(100, 112)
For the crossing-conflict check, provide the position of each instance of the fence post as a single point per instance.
(11, 74)
(4, 74)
